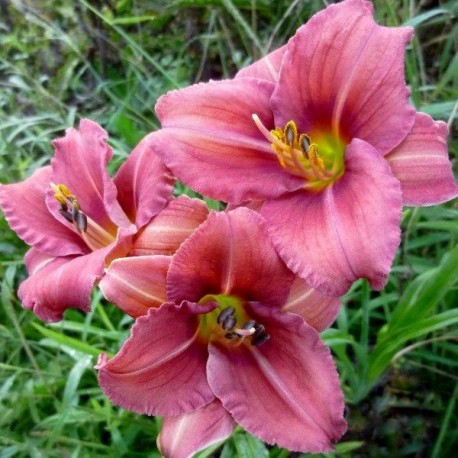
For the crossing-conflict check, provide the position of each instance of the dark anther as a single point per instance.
(81, 222)
(260, 339)
(305, 144)
(249, 324)
(75, 212)
(229, 322)
(231, 336)
(259, 330)
(260, 335)
(66, 215)
(228, 311)
(289, 135)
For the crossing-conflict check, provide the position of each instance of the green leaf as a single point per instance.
(423, 294)
(244, 445)
(133, 19)
(384, 351)
(421, 18)
(70, 342)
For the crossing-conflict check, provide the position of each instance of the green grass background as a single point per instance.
(110, 60)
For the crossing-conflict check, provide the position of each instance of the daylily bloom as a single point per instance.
(225, 347)
(321, 133)
(76, 218)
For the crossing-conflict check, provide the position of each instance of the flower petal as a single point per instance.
(267, 68)
(65, 282)
(171, 227)
(422, 165)
(211, 143)
(80, 163)
(344, 73)
(187, 434)
(285, 391)
(144, 184)
(137, 283)
(347, 231)
(317, 309)
(26, 212)
(229, 254)
(35, 260)
(160, 369)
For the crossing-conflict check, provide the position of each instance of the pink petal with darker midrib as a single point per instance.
(229, 254)
(66, 282)
(26, 212)
(144, 184)
(136, 283)
(187, 434)
(317, 309)
(211, 143)
(165, 233)
(284, 391)
(347, 231)
(344, 73)
(266, 68)
(160, 369)
(80, 163)
(422, 166)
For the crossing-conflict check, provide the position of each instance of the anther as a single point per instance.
(260, 329)
(67, 215)
(231, 336)
(256, 341)
(290, 133)
(229, 322)
(75, 212)
(228, 311)
(60, 198)
(305, 142)
(249, 324)
(81, 222)
(64, 190)
(260, 336)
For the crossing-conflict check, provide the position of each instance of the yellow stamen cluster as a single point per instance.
(297, 153)
(95, 236)
(300, 156)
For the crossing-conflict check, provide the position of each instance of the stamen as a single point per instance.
(291, 133)
(81, 222)
(60, 198)
(249, 325)
(298, 154)
(229, 323)
(75, 211)
(67, 215)
(228, 311)
(231, 336)
(94, 235)
(305, 142)
(259, 340)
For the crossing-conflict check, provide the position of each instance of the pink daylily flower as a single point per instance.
(242, 345)
(76, 218)
(321, 135)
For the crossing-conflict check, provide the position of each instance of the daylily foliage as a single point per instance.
(320, 133)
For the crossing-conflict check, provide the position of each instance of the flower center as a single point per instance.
(319, 162)
(95, 236)
(229, 322)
